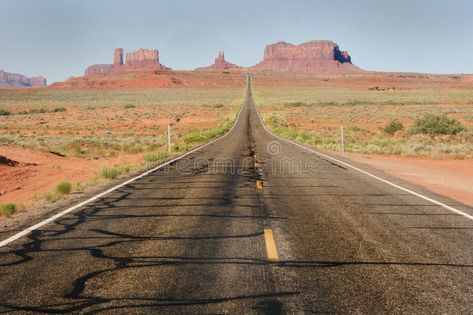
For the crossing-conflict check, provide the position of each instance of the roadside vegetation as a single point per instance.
(417, 123)
(431, 124)
(393, 126)
(156, 157)
(125, 130)
(7, 209)
(114, 172)
(202, 136)
(108, 123)
(179, 146)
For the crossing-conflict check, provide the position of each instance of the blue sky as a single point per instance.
(59, 38)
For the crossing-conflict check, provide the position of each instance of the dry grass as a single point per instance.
(106, 123)
(124, 129)
(314, 115)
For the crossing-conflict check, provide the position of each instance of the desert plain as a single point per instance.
(112, 122)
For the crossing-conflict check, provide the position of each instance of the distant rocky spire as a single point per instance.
(219, 64)
(118, 57)
(220, 57)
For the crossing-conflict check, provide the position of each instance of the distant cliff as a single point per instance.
(314, 56)
(17, 80)
(142, 59)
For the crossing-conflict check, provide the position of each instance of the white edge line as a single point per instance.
(450, 208)
(85, 202)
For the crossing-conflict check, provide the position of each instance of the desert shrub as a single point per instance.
(128, 106)
(327, 103)
(162, 155)
(109, 172)
(5, 140)
(466, 136)
(205, 135)
(181, 148)
(134, 147)
(150, 158)
(33, 111)
(89, 148)
(64, 188)
(356, 129)
(355, 102)
(7, 209)
(114, 172)
(59, 110)
(52, 197)
(194, 137)
(295, 104)
(436, 125)
(392, 126)
(4, 112)
(276, 121)
(159, 156)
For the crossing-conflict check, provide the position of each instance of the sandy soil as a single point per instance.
(142, 120)
(39, 172)
(156, 79)
(384, 81)
(451, 178)
(95, 128)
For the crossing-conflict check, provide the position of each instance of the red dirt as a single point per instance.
(156, 79)
(451, 178)
(39, 172)
(361, 80)
(263, 78)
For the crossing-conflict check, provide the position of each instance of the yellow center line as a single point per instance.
(271, 250)
(259, 185)
(256, 162)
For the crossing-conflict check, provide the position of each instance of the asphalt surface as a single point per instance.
(188, 239)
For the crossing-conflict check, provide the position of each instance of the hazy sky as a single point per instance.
(59, 38)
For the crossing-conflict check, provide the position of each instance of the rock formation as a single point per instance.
(142, 59)
(99, 69)
(219, 64)
(17, 80)
(118, 57)
(315, 56)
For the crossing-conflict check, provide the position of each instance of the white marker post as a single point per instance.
(343, 139)
(169, 139)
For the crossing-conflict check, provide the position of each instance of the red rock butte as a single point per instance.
(142, 59)
(142, 68)
(320, 56)
(219, 64)
(14, 80)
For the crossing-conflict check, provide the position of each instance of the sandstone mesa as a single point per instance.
(142, 59)
(15, 80)
(142, 68)
(319, 56)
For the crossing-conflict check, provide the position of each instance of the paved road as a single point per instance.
(189, 239)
